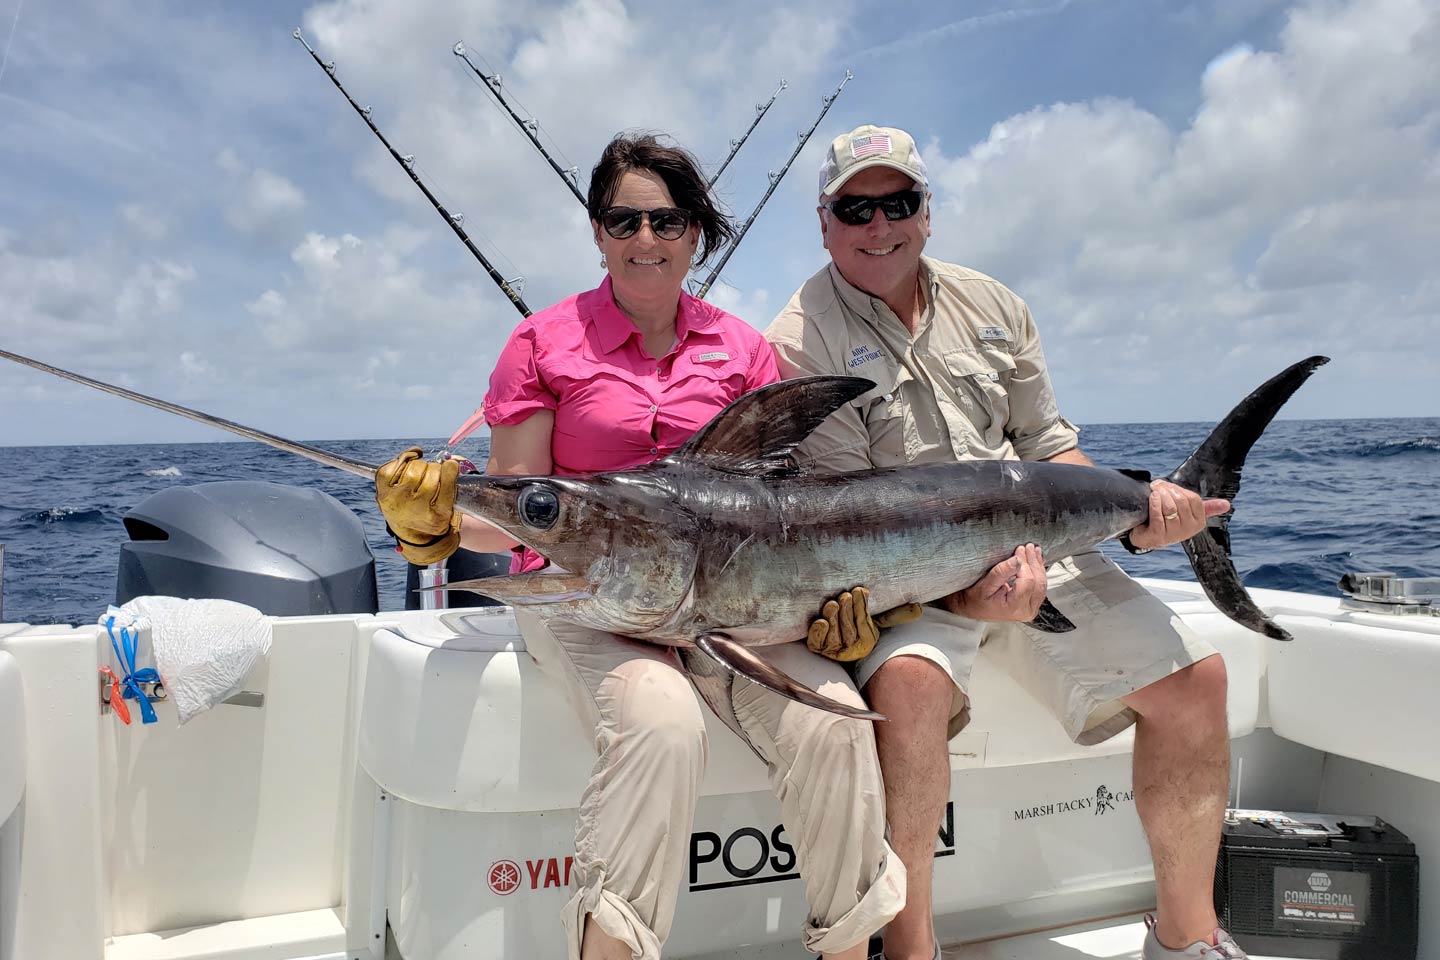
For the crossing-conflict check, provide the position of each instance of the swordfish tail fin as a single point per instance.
(1213, 470)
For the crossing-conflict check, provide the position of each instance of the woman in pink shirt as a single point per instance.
(609, 379)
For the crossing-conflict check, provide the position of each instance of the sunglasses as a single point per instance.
(857, 211)
(667, 223)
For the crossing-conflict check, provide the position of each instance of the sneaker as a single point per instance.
(1224, 947)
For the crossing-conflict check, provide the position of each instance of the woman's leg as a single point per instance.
(633, 832)
(824, 769)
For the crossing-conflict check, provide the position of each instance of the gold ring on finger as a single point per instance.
(1172, 516)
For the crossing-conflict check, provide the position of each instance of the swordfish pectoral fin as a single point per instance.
(526, 588)
(1050, 619)
(743, 661)
(715, 684)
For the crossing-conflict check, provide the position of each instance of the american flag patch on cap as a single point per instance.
(870, 145)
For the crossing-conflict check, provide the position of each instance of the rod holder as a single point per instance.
(155, 690)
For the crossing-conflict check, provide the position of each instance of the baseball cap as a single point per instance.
(869, 146)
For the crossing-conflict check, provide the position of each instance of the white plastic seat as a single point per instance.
(458, 716)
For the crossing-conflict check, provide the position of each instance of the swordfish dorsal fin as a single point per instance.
(757, 433)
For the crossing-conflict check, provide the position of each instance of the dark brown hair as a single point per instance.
(681, 174)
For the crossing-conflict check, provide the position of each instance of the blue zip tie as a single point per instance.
(133, 678)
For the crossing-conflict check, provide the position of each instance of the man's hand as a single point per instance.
(846, 632)
(417, 498)
(1175, 514)
(1011, 592)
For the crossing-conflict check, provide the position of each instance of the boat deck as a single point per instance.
(1118, 938)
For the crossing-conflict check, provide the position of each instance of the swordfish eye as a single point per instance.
(538, 507)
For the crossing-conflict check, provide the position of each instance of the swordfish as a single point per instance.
(726, 544)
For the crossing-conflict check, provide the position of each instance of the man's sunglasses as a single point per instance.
(667, 223)
(857, 211)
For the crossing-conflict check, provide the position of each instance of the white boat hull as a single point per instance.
(416, 767)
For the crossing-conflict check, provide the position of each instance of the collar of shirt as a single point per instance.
(877, 311)
(614, 329)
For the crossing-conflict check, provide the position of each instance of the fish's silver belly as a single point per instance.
(771, 591)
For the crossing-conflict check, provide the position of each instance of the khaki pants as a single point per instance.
(632, 838)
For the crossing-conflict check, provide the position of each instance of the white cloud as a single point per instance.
(754, 305)
(263, 201)
(229, 162)
(1299, 212)
(152, 291)
(147, 223)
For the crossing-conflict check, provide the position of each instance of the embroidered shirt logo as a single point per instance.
(862, 355)
(994, 333)
(713, 355)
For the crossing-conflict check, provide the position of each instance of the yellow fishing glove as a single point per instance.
(846, 632)
(417, 498)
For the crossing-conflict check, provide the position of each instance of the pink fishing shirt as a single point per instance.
(615, 405)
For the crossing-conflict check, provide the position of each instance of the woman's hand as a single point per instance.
(417, 499)
(846, 632)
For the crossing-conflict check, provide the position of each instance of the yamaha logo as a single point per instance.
(504, 877)
(1319, 881)
(507, 876)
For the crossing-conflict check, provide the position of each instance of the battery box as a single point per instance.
(1318, 886)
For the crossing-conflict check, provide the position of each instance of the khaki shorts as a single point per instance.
(1124, 640)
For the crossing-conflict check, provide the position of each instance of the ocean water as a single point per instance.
(1319, 498)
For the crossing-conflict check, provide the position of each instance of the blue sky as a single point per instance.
(1189, 195)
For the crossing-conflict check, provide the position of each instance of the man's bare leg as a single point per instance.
(916, 695)
(1182, 782)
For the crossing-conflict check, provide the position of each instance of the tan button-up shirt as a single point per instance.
(970, 384)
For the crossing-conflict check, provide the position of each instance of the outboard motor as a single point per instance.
(283, 550)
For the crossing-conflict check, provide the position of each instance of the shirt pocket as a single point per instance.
(728, 375)
(889, 422)
(984, 377)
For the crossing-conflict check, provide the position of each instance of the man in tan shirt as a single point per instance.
(960, 374)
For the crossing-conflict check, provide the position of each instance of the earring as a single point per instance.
(603, 263)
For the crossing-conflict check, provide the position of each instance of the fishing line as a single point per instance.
(550, 141)
(494, 85)
(552, 145)
(494, 249)
(11, 39)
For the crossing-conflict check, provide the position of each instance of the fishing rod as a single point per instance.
(531, 127)
(775, 179)
(407, 163)
(355, 467)
(735, 145)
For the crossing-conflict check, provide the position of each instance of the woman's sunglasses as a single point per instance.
(857, 211)
(667, 223)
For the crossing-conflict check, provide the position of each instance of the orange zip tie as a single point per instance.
(117, 701)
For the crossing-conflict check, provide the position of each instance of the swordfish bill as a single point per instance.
(726, 544)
